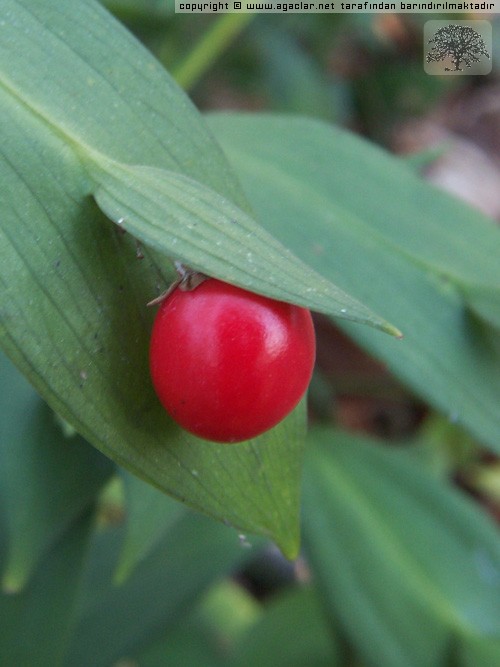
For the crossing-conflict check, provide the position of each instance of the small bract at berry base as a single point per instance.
(228, 364)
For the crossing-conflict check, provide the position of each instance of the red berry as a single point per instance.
(228, 364)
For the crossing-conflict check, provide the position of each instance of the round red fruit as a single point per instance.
(228, 364)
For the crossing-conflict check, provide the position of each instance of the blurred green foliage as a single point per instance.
(399, 566)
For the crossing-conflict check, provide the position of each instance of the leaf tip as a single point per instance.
(393, 331)
(289, 545)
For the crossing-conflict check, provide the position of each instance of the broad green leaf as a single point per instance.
(363, 219)
(46, 479)
(37, 623)
(116, 162)
(109, 122)
(149, 514)
(103, 90)
(409, 566)
(120, 622)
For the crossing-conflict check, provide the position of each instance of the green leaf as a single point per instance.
(37, 623)
(189, 644)
(291, 632)
(364, 220)
(120, 622)
(480, 652)
(149, 514)
(292, 77)
(229, 608)
(206, 635)
(174, 214)
(424, 158)
(146, 198)
(101, 89)
(409, 566)
(109, 122)
(484, 301)
(46, 479)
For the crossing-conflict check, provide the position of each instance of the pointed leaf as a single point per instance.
(366, 221)
(173, 213)
(149, 514)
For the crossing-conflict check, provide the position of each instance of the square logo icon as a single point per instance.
(457, 47)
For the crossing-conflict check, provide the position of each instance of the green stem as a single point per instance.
(209, 48)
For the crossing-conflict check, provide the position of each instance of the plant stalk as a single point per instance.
(213, 43)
